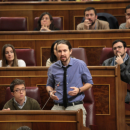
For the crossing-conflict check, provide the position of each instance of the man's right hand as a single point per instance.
(87, 23)
(128, 23)
(6, 109)
(53, 96)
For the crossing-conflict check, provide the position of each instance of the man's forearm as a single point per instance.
(49, 88)
(85, 87)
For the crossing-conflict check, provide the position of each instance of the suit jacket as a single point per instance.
(99, 25)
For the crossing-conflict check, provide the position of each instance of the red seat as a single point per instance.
(28, 55)
(13, 24)
(32, 92)
(89, 105)
(80, 53)
(58, 22)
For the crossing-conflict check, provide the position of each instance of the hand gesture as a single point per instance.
(87, 23)
(128, 23)
(119, 59)
(45, 28)
(52, 95)
(74, 92)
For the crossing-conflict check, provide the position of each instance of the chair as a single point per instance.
(89, 105)
(106, 53)
(58, 22)
(32, 92)
(113, 23)
(79, 53)
(13, 24)
(28, 55)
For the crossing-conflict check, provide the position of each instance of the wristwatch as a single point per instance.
(79, 90)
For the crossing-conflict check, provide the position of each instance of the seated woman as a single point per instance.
(45, 22)
(53, 57)
(9, 57)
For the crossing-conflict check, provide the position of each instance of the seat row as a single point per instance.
(20, 23)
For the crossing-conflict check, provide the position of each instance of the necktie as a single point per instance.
(65, 100)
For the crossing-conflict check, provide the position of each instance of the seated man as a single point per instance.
(20, 101)
(127, 16)
(91, 21)
(121, 58)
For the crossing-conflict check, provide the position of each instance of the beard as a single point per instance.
(93, 22)
(64, 60)
(121, 54)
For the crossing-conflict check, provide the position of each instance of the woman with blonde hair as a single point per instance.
(9, 57)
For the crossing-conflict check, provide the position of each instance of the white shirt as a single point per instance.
(21, 63)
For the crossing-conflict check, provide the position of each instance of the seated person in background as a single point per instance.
(127, 16)
(91, 22)
(24, 128)
(9, 57)
(53, 57)
(45, 22)
(20, 101)
(121, 58)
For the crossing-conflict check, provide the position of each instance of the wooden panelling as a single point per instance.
(37, 120)
(67, 10)
(92, 41)
(108, 92)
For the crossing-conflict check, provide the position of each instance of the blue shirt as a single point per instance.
(77, 74)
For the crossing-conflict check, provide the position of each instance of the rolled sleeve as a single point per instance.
(86, 75)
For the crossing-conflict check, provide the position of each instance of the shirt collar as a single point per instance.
(23, 102)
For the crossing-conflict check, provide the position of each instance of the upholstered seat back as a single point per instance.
(89, 105)
(79, 53)
(28, 55)
(57, 21)
(13, 24)
(32, 92)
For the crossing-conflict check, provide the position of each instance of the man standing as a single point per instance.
(20, 101)
(121, 58)
(65, 80)
(127, 16)
(91, 22)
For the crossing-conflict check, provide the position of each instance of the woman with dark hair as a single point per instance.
(45, 22)
(54, 56)
(9, 57)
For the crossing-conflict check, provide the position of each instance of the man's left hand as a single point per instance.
(74, 92)
(119, 59)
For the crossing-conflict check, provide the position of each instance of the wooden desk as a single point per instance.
(42, 120)
(127, 117)
(109, 92)
(92, 41)
(71, 12)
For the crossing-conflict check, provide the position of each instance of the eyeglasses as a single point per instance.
(119, 47)
(128, 14)
(19, 90)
